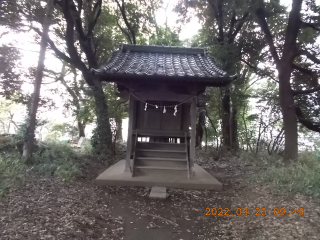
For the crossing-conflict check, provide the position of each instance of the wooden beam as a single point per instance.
(193, 133)
(156, 96)
(129, 138)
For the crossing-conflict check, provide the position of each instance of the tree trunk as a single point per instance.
(81, 128)
(206, 142)
(234, 129)
(229, 122)
(119, 128)
(225, 118)
(289, 114)
(103, 124)
(29, 141)
(200, 127)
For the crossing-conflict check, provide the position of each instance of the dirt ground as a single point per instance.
(54, 209)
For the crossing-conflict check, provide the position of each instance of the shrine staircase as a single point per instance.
(161, 159)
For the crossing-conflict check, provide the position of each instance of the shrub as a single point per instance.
(12, 170)
(59, 160)
(299, 177)
(260, 159)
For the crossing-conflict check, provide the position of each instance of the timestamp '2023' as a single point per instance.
(255, 212)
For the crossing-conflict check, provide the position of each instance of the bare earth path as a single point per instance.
(54, 209)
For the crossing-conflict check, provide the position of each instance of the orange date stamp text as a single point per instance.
(254, 212)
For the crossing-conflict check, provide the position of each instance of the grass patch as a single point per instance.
(58, 160)
(54, 160)
(12, 170)
(299, 177)
(261, 160)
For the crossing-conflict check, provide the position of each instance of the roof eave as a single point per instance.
(208, 81)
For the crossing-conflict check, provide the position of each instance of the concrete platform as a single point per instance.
(114, 176)
(158, 192)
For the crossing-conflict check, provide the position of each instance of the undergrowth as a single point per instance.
(301, 177)
(58, 160)
(53, 160)
(12, 170)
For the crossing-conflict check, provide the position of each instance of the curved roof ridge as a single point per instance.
(162, 49)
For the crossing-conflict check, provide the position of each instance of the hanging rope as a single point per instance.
(157, 106)
(175, 106)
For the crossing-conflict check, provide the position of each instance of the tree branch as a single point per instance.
(220, 20)
(309, 55)
(80, 65)
(308, 91)
(232, 23)
(308, 124)
(256, 70)
(75, 99)
(54, 48)
(80, 4)
(303, 70)
(265, 28)
(124, 16)
(73, 21)
(96, 12)
(211, 122)
(240, 25)
(71, 13)
(292, 31)
(125, 32)
(310, 25)
(217, 10)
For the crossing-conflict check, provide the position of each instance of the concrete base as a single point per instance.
(158, 192)
(115, 176)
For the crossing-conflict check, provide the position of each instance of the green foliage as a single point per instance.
(299, 177)
(136, 19)
(165, 36)
(8, 110)
(9, 16)
(118, 108)
(86, 146)
(107, 35)
(57, 160)
(12, 170)
(94, 141)
(22, 128)
(58, 130)
(260, 159)
(10, 75)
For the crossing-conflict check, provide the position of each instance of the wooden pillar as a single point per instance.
(193, 133)
(129, 138)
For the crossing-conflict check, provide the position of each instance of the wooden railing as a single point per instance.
(187, 154)
(159, 133)
(134, 152)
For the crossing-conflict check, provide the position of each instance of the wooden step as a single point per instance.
(162, 159)
(161, 146)
(164, 162)
(161, 172)
(162, 168)
(156, 153)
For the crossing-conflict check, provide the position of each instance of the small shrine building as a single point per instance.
(163, 86)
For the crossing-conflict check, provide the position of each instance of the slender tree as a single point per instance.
(79, 102)
(226, 31)
(29, 140)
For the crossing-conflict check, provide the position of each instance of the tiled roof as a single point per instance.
(176, 63)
